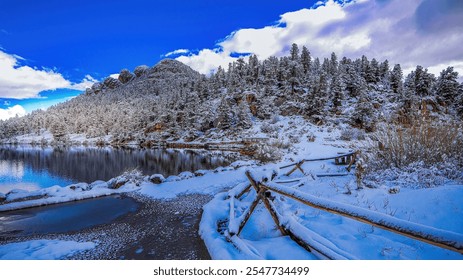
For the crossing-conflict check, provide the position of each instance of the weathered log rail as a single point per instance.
(268, 187)
(441, 238)
(341, 159)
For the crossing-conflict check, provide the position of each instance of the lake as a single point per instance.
(34, 167)
(65, 217)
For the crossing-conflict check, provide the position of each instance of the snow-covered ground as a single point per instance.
(439, 208)
(19, 199)
(43, 249)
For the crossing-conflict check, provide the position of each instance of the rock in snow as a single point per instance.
(141, 70)
(125, 76)
(112, 83)
(157, 178)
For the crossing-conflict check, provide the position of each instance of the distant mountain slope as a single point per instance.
(171, 101)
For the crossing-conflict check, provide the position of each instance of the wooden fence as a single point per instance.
(268, 186)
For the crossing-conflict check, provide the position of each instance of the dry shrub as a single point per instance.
(270, 151)
(349, 134)
(425, 154)
(424, 141)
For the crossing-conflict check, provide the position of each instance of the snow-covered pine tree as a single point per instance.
(233, 79)
(243, 115)
(224, 119)
(319, 97)
(252, 77)
(384, 72)
(363, 116)
(337, 92)
(355, 83)
(396, 79)
(270, 72)
(447, 85)
(306, 60)
(294, 52)
(459, 101)
(423, 81)
(372, 72)
(333, 65)
(218, 80)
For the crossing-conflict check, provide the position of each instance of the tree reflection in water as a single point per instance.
(81, 164)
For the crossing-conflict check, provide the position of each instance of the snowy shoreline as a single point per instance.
(437, 207)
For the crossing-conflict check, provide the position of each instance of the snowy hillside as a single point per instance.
(171, 102)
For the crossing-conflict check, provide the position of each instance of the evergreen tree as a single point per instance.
(294, 77)
(337, 89)
(219, 78)
(355, 83)
(326, 67)
(243, 116)
(319, 96)
(458, 101)
(316, 67)
(363, 116)
(447, 85)
(423, 81)
(270, 70)
(409, 96)
(333, 68)
(224, 115)
(294, 52)
(306, 60)
(253, 75)
(372, 72)
(364, 67)
(233, 79)
(384, 71)
(396, 79)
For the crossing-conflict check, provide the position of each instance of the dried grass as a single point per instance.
(423, 141)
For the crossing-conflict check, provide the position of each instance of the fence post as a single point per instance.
(298, 166)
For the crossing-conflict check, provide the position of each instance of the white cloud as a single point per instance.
(413, 32)
(180, 51)
(25, 82)
(22, 82)
(115, 76)
(87, 82)
(206, 60)
(16, 110)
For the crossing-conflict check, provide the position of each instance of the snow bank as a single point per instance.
(43, 249)
(209, 183)
(249, 246)
(19, 199)
(429, 213)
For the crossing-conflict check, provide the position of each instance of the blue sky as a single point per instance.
(50, 45)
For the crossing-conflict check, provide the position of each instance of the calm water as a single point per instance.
(65, 217)
(30, 168)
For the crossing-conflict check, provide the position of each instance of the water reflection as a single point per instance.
(65, 217)
(28, 166)
(11, 169)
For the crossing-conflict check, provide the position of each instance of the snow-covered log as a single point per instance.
(444, 239)
(239, 190)
(308, 239)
